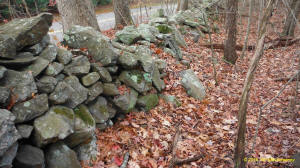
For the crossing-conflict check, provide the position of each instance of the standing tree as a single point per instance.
(122, 13)
(231, 30)
(290, 22)
(77, 12)
(184, 5)
(239, 153)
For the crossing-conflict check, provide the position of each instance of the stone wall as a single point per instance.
(52, 99)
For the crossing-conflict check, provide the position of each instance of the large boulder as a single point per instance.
(59, 155)
(30, 109)
(79, 66)
(138, 80)
(127, 101)
(55, 125)
(101, 110)
(21, 83)
(192, 84)
(128, 35)
(46, 84)
(144, 56)
(147, 102)
(7, 159)
(29, 157)
(148, 32)
(84, 127)
(128, 60)
(80, 93)
(21, 60)
(20, 33)
(39, 47)
(62, 93)
(49, 53)
(98, 45)
(8, 132)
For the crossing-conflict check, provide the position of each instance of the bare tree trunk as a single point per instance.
(77, 12)
(290, 23)
(36, 7)
(184, 5)
(178, 5)
(26, 8)
(248, 28)
(230, 55)
(239, 153)
(122, 13)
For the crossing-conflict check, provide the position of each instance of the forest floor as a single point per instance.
(209, 127)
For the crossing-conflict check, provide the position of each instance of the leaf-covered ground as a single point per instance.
(209, 126)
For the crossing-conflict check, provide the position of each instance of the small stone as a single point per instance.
(79, 66)
(49, 53)
(110, 89)
(64, 56)
(37, 66)
(192, 84)
(46, 84)
(90, 79)
(30, 109)
(54, 69)
(158, 83)
(101, 110)
(38, 48)
(128, 60)
(24, 130)
(94, 91)
(61, 94)
(127, 101)
(60, 77)
(103, 72)
(4, 95)
(7, 159)
(128, 35)
(160, 64)
(29, 157)
(60, 155)
(148, 102)
(112, 69)
(138, 80)
(2, 71)
(80, 93)
(88, 151)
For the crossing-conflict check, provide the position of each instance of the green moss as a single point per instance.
(149, 101)
(165, 29)
(64, 111)
(83, 113)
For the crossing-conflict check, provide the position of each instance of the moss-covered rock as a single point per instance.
(138, 80)
(127, 101)
(147, 102)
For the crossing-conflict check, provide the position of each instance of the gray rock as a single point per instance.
(79, 66)
(164, 28)
(54, 69)
(60, 77)
(138, 80)
(186, 62)
(148, 32)
(159, 20)
(178, 37)
(55, 125)
(29, 157)
(147, 102)
(2, 71)
(101, 110)
(64, 56)
(90, 79)
(8, 132)
(112, 69)
(127, 101)
(46, 84)
(84, 127)
(22, 84)
(80, 93)
(7, 47)
(160, 64)
(103, 72)
(158, 83)
(98, 45)
(37, 66)
(38, 48)
(128, 35)
(49, 53)
(60, 155)
(8, 157)
(62, 93)
(94, 91)
(128, 60)
(191, 83)
(110, 89)
(25, 130)
(144, 56)
(30, 109)
(24, 32)
(4, 95)
(20, 60)
(88, 151)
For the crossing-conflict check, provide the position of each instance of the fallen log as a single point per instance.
(221, 47)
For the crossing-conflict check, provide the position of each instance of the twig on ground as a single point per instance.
(125, 160)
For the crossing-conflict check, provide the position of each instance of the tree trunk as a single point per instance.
(239, 153)
(26, 8)
(178, 5)
(230, 42)
(77, 12)
(248, 28)
(184, 5)
(122, 13)
(290, 23)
